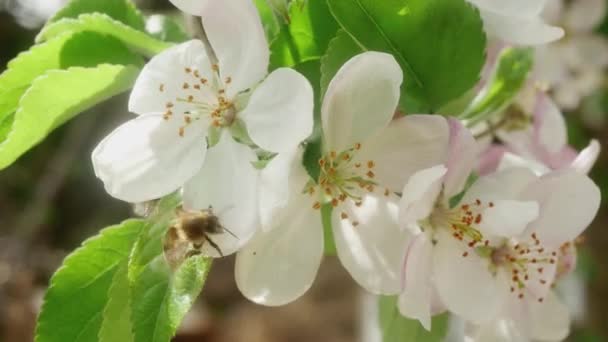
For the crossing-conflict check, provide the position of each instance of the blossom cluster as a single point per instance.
(420, 207)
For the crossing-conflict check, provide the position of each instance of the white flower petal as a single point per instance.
(419, 195)
(146, 158)
(280, 265)
(165, 77)
(415, 300)
(279, 180)
(193, 7)
(502, 185)
(549, 125)
(228, 183)
(279, 115)
(465, 284)
(508, 218)
(587, 157)
(500, 329)
(237, 37)
(568, 203)
(360, 99)
(408, 145)
(370, 244)
(549, 320)
(515, 8)
(521, 31)
(461, 158)
(510, 160)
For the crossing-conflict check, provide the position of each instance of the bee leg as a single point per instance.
(192, 253)
(214, 245)
(229, 232)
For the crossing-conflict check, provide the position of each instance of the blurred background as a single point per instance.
(50, 201)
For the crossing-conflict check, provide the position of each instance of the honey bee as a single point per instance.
(189, 232)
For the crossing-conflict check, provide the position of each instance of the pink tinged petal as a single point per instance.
(279, 180)
(193, 7)
(461, 159)
(415, 300)
(408, 145)
(280, 265)
(361, 99)
(508, 218)
(419, 196)
(518, 30)
(464, 283)
(370, 244)
(237, 37)
(587, 157)
(169, 78)
(279, 115)
(549, 125)
(490, 159)
(568, 203)
(146, 158)
(228, 183)
(520, 142)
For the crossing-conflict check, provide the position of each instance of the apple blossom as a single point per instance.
(517, 21)
(503, 236)
(426, 211)
(366, 158)
(534, 134)
(181, 96)
(510, 276)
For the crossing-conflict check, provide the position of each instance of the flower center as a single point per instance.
(199, 97)
(463, 221)
(527, 262)
(343, 176)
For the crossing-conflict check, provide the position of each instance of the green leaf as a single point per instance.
(121, 10)
(438, 43)
(340, 50)
(58, 96)
(510, 75)
(306, 37)
(396, 328)
(166, 29)
(83, 49)
(160, 299)
(75, 301)
(269, 20)
(116, 318)
(103, 24)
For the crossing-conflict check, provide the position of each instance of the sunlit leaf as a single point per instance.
(75, 301)
(58, 96)
(103, 24)
(440, 44)
(85, 49)
(306, 36)
(121, 10)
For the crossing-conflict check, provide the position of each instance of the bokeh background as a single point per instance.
(50, 201)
